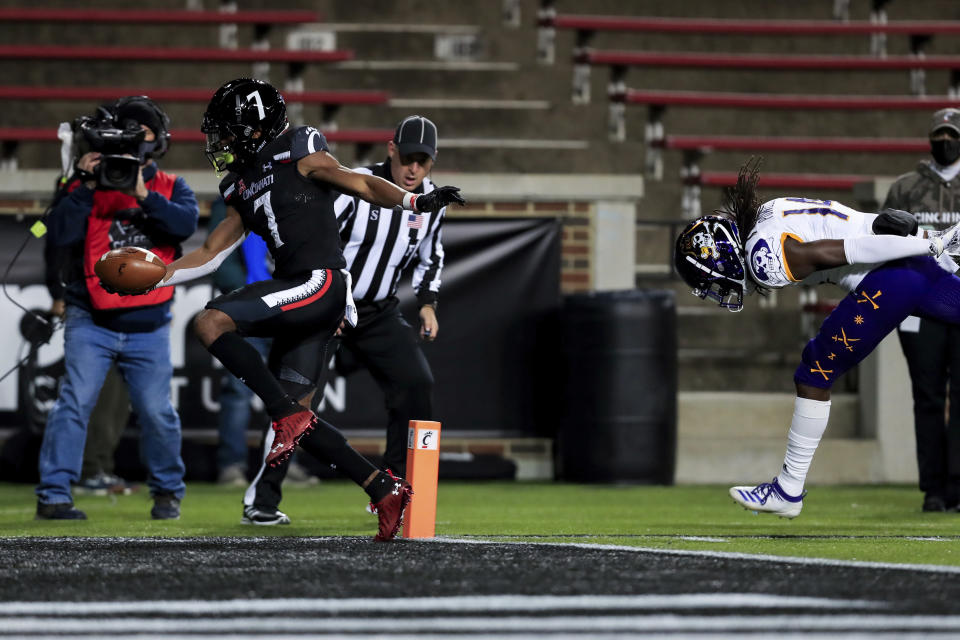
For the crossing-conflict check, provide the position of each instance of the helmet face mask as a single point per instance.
(243, 116)
(709, 258)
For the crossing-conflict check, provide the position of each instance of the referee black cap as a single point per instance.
(416, 134)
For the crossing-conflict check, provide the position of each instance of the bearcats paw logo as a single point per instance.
(764, 261)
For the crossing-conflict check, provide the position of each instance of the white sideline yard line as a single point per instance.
(525, 635)
(488, 603)
(728, 555)
(460, 624)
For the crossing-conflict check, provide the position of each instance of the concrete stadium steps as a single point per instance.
(734, 437)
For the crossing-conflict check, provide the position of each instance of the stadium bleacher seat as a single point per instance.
(620, 61)
(693, 180)
(549, 21)
(657, 102)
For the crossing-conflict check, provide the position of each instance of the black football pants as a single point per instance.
(386, 345)
(933, 357)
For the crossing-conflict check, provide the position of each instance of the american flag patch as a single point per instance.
(414, 221)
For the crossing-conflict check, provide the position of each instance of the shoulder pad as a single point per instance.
(303, 142)
(766, 263)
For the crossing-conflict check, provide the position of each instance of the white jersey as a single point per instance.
(804, 220)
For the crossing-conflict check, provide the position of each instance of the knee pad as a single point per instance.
(296, 389)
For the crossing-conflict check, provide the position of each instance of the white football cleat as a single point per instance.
(768, 498)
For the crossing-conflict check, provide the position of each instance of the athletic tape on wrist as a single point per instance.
(409, 201)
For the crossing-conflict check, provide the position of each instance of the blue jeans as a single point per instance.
(235, 413)
(143, 360)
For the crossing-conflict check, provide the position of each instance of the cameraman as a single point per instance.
(153, 210)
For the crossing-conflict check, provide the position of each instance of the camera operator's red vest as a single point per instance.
(105, 231)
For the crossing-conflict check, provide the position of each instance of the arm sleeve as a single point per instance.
(177, 216)
(192, 273)
(873, 249)
(426, 276)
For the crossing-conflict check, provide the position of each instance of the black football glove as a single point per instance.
(438, 199)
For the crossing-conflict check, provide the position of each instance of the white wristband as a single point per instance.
(409, 201)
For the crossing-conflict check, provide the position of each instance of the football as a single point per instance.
(130, 269)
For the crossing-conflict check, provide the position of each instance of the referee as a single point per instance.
(378, 244)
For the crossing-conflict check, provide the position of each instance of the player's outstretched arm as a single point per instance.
(323, 166)
(805, 258)
(221, 242)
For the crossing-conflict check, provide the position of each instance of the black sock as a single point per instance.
(380, 486)
(243, 360)
(326, 443)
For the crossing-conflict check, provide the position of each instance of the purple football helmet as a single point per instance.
(709, 258)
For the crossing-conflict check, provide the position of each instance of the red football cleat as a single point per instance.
(390, 508)
(287, 433)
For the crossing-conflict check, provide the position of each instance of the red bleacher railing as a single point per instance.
(833, 182)
(156, 16)
(735, 61)
(167, 54)
(782, 101)
(48, 134)
(749, 27)
(793, 144)
(180, 95)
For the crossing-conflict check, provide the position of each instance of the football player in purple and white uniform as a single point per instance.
(890, 268)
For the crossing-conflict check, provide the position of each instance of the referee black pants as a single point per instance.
(933, 357)
(385, 344)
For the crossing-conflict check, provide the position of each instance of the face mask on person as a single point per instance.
(146, 149)
(945, 152)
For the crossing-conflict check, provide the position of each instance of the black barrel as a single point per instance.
(619, 420)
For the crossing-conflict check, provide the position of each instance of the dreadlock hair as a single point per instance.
(741, 203)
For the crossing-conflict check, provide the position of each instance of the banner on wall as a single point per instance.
(494, 362)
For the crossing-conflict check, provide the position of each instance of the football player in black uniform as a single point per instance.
(281, 185)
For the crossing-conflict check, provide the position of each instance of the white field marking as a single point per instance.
(929, 539)
(460, 624)
(447, 603)
(702, 539)
(523, 635)
(729, 555)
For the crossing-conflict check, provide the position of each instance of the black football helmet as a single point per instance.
(237, 111)
(709, 258)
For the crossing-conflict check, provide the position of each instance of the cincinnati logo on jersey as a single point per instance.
(764, 261)
(257, 186)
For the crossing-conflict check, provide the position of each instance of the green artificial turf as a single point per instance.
(849, 523)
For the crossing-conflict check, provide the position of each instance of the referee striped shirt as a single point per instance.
(380, 242)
